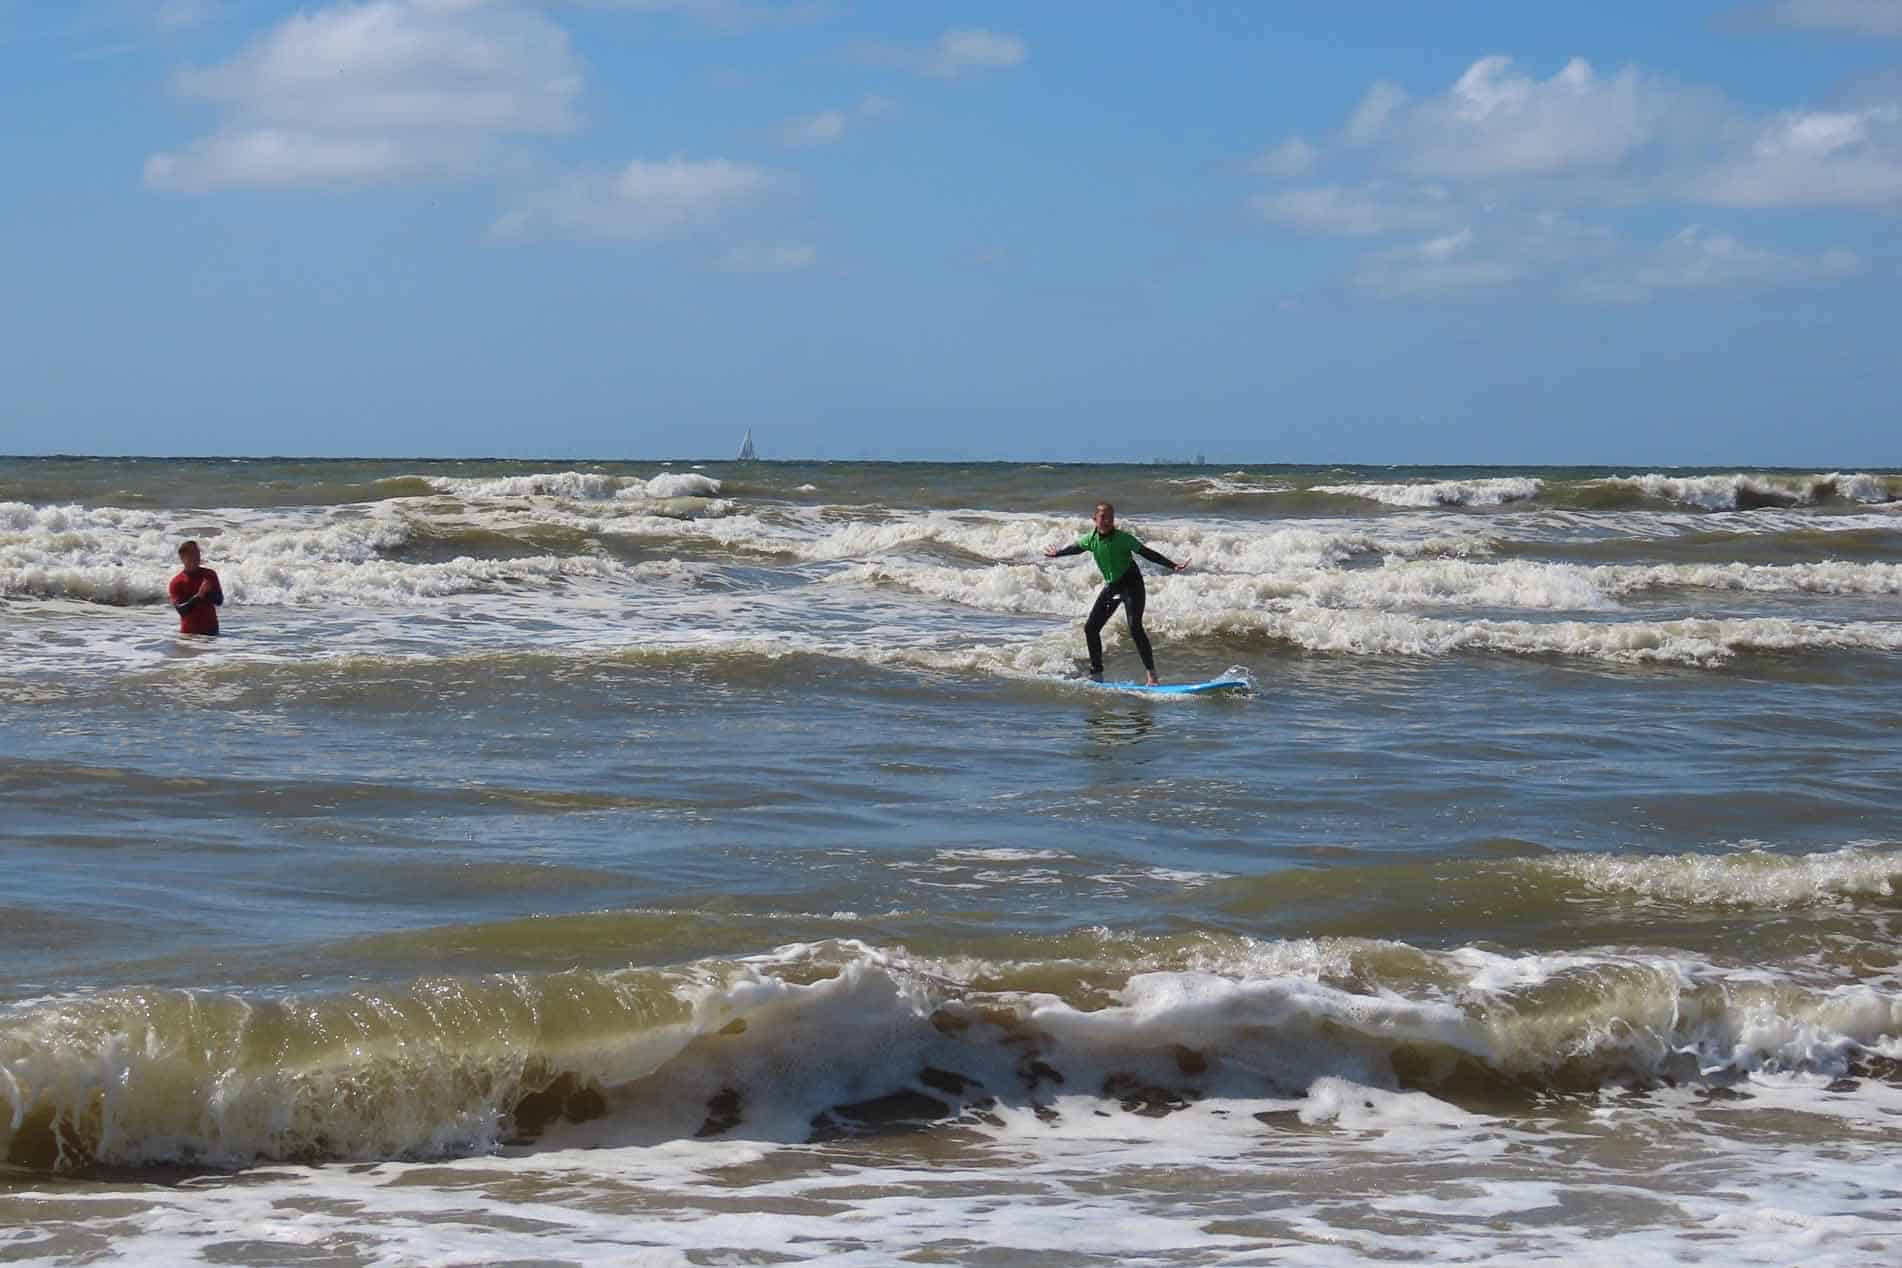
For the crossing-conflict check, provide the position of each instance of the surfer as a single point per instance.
(1114, 550)
(195, 593)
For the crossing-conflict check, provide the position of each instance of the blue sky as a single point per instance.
(1618, 233)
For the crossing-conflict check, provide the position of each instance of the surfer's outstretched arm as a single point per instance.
(1156, 557)
(1058, 552)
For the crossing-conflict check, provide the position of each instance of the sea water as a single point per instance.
(608, 863)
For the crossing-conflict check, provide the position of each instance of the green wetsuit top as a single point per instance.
(1115, 553)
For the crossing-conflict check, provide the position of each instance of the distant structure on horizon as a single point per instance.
(747, 453)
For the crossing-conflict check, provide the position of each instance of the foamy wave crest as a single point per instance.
(1742, 491)
(1487, 492)
(822, 1038)
(1226, 548)
(680, 484)
(352, 585)
(1692, 642)
(108, 555)
(341, 558)
(1833, 577)
(1397, 584)
(1754, 879)
(579, 486)
(1231, 484)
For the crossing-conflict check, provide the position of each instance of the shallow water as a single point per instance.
(713, 864)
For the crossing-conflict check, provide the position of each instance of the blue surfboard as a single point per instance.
(1176, 688)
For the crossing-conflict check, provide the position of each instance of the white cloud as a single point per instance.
(1585, 262)
(827, 126)
(1496, 254)
(384, 91)
(1698, 259)
(1861, 17)
(642, 200)
(729, 15)
(1495, 121)
(1492, 176)
(814, 129)
(277, 158)
(955, 53)
(1371, 115)
(960, 51)
(785, 258)
(1293, 157)
(1808, 158)
(1369, 210)
(1581, 137)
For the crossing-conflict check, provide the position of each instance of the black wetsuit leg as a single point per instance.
(1106, 600)
(1128, 591)
(1133, 601)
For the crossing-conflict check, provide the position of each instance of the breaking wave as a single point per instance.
(1488, 492)
(820, 1038)
(1745, 492)
(580, 486)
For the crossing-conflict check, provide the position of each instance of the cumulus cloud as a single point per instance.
(1491, 255)
(1585, 262)
(1623, 138)
(1859, 17)
(376, 92)
(1371, 115)
(645, 199)
(827, 126)
(263, 157)
(1496, 121)
(1293, 157)
(728, 15)
(1808, 158)
(955, 53)
(1698, 259)
(822, 128)
(1489, 180)
(1368, 210)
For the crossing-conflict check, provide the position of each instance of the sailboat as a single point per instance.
(746, 448)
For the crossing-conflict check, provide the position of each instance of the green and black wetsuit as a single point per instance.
(1123, 583)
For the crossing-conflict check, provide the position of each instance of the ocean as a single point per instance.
(567, 863)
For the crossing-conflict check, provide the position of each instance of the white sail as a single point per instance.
(746, 447)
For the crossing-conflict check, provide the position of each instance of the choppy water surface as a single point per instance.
(668, 863)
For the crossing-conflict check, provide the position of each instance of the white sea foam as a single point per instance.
(330, 563)
(1754, 879)
(1730, 492)
(1495, 491)
(815, 1026)
(581, 486)
(1232, 484)
(1268, 1085)
(1287, 600)
(1002, 854)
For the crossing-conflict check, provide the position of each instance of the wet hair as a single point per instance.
(191, 546)
(1106, 506)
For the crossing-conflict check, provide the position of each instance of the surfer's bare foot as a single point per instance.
(1154, 681)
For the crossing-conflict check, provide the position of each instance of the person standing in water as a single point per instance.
(195, 593)
(1114, 550)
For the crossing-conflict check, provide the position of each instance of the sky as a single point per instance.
(1460, 232)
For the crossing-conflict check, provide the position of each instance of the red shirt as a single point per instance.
(202, 616)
